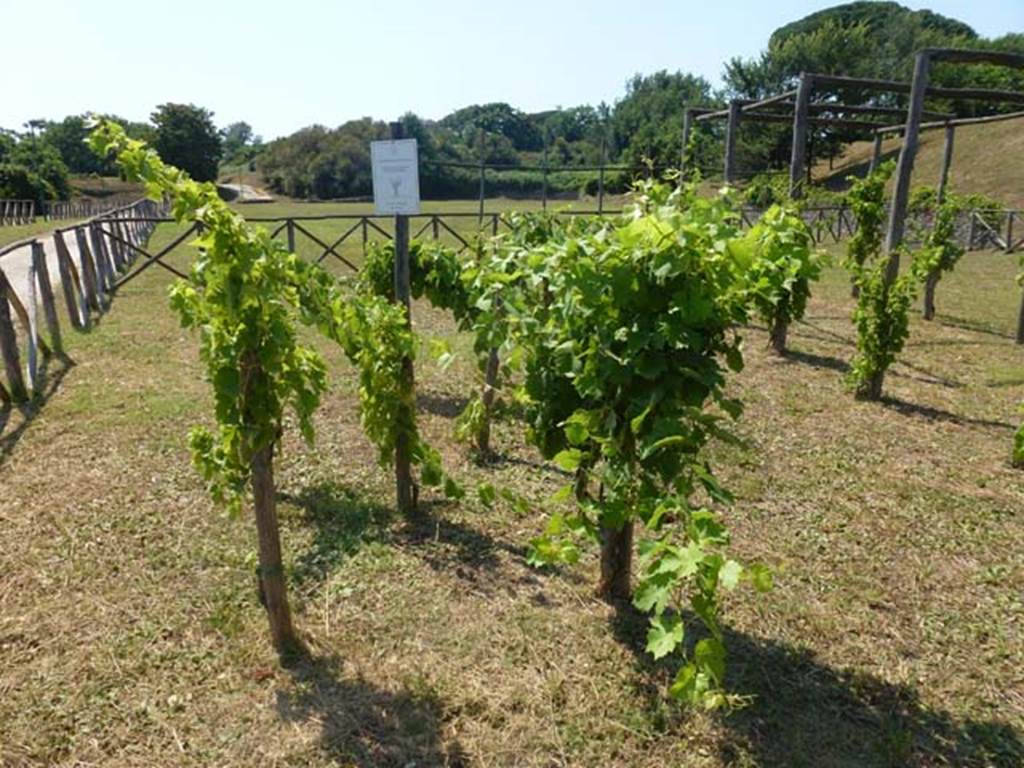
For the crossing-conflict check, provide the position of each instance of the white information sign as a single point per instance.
(396, 176)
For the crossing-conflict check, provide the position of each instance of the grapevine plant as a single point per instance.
(625, 367)
(782, 261)
(243, 299)
(246, 295)
(866, 199)
(942, 249)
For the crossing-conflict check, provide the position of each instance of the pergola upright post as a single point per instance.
(684, 151)
(730, 141)
(947, 159)
(876, 152)
(905, 167)
(799, 154)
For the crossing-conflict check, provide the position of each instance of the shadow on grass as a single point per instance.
(805, 713)
(365, 726)
(49, 383)
(818, 361)
(964, 324)
(443, 405)
(937, 414)
(343, 521)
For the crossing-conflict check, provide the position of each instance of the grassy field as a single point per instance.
(131, 634)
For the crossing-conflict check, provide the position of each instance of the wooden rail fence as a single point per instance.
(14, 212)
(105, 247)
(17, 212)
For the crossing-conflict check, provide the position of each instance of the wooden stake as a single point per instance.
(42, 272)
(78, 311)
(876, 153)
(9, 345)
(404, 485)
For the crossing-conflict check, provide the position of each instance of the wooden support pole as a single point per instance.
(483, 158)
(905, 168)
(876, 153)
(684, 151)
(600, 176)
(405, 487)
(90, 283)
(290, 229)
(1020, 321)
(42, 273)
(9, 346)
(74, 300)
(799, 150)
(544, 178)
(1009, 230)
(731, 131)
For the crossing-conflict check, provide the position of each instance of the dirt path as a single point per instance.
(17, 263)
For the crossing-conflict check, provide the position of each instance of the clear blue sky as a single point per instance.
(283, 65)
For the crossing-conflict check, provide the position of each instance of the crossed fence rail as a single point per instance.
(98, 257)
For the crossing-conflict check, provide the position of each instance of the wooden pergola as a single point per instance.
(800, 107)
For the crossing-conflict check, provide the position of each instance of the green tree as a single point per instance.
(185, 137)
(647, 123)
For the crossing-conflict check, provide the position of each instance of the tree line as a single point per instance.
(640, 132)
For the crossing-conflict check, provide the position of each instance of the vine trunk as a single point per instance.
(616, 562)
(273, 591)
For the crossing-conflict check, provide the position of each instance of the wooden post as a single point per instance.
(731, 131)
(1020, 321)
(480, 217)
(544, 179)
(42, 272)
(600, 178)
(9, 346)
(404, 485)
(1009, 230)
(687, 129)
(876, 153)
(90, 284)
(799, 150)
(947, 159)
(78, 310)
(103, 268)
(972, 224)
(901, 194)
(290, 228)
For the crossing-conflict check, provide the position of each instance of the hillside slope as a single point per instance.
(987, 158)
